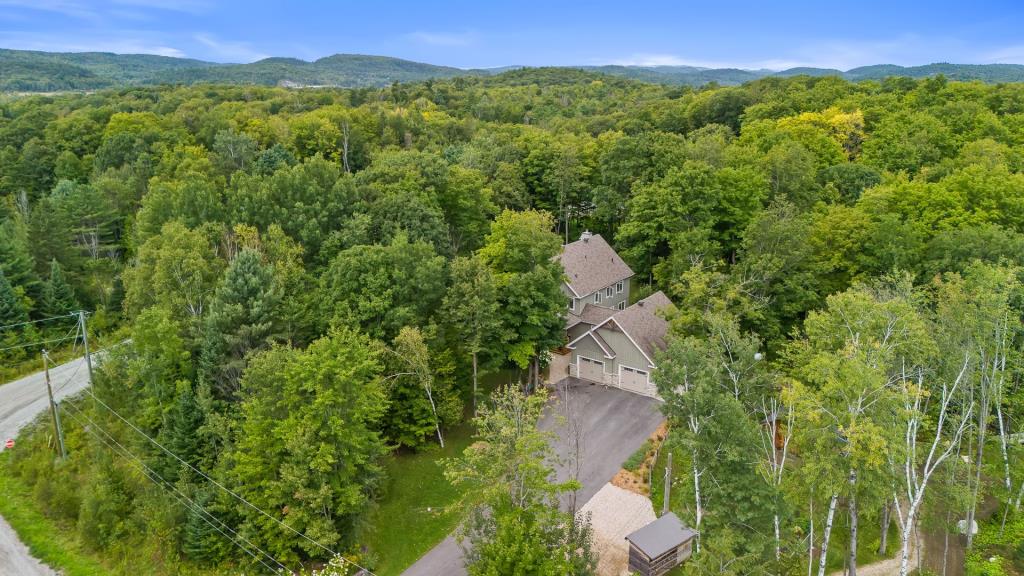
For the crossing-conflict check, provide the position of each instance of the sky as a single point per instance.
(750, 34)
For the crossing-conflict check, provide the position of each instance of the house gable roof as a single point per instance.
(591, 264)
(605, 347)
(640, 323)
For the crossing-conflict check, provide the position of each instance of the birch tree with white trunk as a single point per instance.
(945, 438)
(845, 369)
(975, 317)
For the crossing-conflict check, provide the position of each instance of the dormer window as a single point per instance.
(608, 292)
(597, 297)
(572, 304)
(619, 287)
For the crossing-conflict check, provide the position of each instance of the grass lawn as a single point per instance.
(419, 507)
(46, 540)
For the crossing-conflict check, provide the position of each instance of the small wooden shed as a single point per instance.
(660, 546)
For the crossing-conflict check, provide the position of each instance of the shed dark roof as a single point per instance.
(591, 264)
(661, 536)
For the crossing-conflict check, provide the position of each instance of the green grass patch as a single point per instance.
(868, 539)
(419, 508)
(998, 552)
(45, 538)
(637, 458)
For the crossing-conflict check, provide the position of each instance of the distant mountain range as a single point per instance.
(29, 71)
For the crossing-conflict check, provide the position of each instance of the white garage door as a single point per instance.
(591, 369)
(633, 380)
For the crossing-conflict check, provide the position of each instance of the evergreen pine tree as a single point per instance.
(202, 542)
(15, 259)
(181, 434)
(58, 297)
(242, 318)
(12, 311)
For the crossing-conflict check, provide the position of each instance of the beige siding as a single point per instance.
(589, 348)
(577, 331)
(559, 366)
(625, 352)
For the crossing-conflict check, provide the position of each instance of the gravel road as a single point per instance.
(20, 402)
(15, 557)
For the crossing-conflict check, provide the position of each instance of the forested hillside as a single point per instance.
(31, 71)
(309, 279)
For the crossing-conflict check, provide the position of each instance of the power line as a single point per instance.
(67, 336)
(181, 497)
(224, 488)
(177, 493)
(5, 327)
(39, 343)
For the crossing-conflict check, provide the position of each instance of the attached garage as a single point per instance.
(634, 379)
(589, 369)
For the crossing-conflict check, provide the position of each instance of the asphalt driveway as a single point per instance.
(596, 429)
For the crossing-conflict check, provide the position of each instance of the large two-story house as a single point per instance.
(608, 341)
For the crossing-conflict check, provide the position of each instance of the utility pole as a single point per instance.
(668, 484)
(85, 343)
(53, 407)
(85, 348)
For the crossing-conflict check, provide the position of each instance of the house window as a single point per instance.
(572, 303)
(622, 305)
(608, 292)
(597, 297)
(618, 288)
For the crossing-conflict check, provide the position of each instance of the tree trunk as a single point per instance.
(1007, 479)
(886, 519)
(696, 493)
(474, 383)
(852, 507)
(828, 534)
(778, 547)
(810, 540)
(437, 421)
(983, 409)
(908, 526)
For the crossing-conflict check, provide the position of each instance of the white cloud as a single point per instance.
(1005, 55)
(101, 13)
(68, 8)
(444, 38)
(842, 54)
(673, 60)
(230, 51)
(129, 44)
(188, 6)
(651, 60)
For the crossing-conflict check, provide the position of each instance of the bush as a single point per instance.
(634, 462)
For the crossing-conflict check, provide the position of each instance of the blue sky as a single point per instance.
(762, 34)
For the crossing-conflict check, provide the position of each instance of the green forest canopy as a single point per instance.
(266, 248)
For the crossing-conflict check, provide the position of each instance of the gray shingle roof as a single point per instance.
(660, 536)
(593, 314)
(643, 324)
(591, 264)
